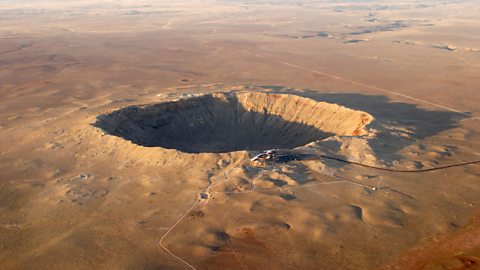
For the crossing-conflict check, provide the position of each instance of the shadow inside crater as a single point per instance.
(207, 124)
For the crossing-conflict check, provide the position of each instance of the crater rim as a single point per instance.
(223, 122)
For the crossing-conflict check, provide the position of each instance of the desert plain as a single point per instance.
(127, 129)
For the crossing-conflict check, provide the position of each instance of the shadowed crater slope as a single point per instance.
(225, 122)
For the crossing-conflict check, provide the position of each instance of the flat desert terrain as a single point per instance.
(127, 130)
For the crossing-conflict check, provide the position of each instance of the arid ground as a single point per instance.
(127, 128)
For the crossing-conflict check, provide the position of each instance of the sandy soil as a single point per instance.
(75, 195)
